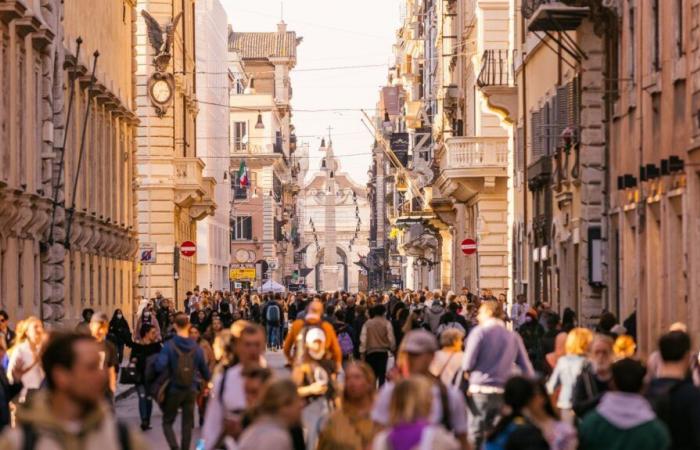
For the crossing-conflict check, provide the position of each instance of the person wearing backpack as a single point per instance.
(672, 393)
(314, 319)
(345, 333)
(71, 412)
(181, 358)
(272, 316)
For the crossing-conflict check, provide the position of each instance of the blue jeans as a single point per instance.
(145, 403)
(273, 335)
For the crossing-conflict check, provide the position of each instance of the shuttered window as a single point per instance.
(536, 136)
(519, 149)
(562, 111)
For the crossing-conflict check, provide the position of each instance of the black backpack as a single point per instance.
(31, 436)
(185, 368)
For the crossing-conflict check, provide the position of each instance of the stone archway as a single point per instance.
(342, 261)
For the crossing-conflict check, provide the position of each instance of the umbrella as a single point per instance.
(273, 286)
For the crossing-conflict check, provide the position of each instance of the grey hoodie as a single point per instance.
(433, 315)
(625, 410)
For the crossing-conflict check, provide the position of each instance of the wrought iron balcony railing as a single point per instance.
(496, 69)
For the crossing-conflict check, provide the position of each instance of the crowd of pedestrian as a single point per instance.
(398, 371)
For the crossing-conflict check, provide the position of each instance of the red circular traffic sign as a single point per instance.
(188, 248)
(469, 246)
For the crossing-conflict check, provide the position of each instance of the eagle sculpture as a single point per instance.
(161, 39)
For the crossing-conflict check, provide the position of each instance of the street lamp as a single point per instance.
(387, 126)
(259, 125)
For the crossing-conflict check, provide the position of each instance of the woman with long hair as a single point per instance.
(567, 370)
(278, 410)
(409, 420)
(351, 427)
(146, 349)
(26, 353)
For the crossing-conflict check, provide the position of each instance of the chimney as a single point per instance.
(281, 27)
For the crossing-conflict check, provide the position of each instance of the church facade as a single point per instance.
(335, 227)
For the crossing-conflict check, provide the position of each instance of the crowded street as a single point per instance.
(350, 225)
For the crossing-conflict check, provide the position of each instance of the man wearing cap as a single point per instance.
(109, 360)
(449, 410)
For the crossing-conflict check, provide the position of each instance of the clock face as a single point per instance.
(160, 91)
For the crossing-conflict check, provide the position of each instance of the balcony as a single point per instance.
(257, 155)
(471, 165)
(553, 15)
(497, 82)
(192, 190)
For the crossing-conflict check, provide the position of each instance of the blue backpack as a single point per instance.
(346, 345)
(273, 314)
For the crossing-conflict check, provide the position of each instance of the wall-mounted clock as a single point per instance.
(160, 90)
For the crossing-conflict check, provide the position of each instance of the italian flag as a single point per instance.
(243, 180)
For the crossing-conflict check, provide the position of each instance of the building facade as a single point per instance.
(214, 84)
(173, 192)
(67, 238)
(654, 156)
(262, 147)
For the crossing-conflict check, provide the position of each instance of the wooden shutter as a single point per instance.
(562, 111)
(536, 135)
(519, 149)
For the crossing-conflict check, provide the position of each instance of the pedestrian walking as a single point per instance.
(447, 363)
(351, 427)
(409, 420)
(71, 413)
(448, 409)
(6, 332)
(84, 325)
(278, 410)
(183, 359)
(515, 430)
(519, 310)
(99, 326)
(27, 354)
(146, 316)
(377, 341)
(313, 320)
(272, 314)
(119, 333)
(433, 314)
(8, 390)
(624, 419)
(228, 399)
(673, 395)
(596, 376)
(491, 352)
(143, 354)
(568, 369)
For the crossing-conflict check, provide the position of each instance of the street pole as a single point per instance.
(71, 211)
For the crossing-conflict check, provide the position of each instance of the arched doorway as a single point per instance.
(342, 261)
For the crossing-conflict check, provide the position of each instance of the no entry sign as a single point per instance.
(469, 246)
(188, 248)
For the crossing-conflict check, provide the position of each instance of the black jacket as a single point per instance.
(677, 403)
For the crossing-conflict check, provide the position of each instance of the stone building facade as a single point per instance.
(53, 263)
(173, 192)
(263, 139)
(654, 204)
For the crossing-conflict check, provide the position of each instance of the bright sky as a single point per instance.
(336, 34)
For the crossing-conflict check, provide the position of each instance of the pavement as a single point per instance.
(128, 409)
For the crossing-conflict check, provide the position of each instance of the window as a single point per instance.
(242, 228)
(240, 136)
(631, 41)
(680, 50)
(655, 29)
(239, 193)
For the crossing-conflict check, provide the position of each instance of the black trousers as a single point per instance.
(377, 361)
(179, 399)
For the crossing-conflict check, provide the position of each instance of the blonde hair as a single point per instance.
(578, 341)
(411, 400)
(367, 372)
(624, 347)
(276, 394)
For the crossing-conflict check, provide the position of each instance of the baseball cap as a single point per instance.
(418, 342)
(99, 317)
